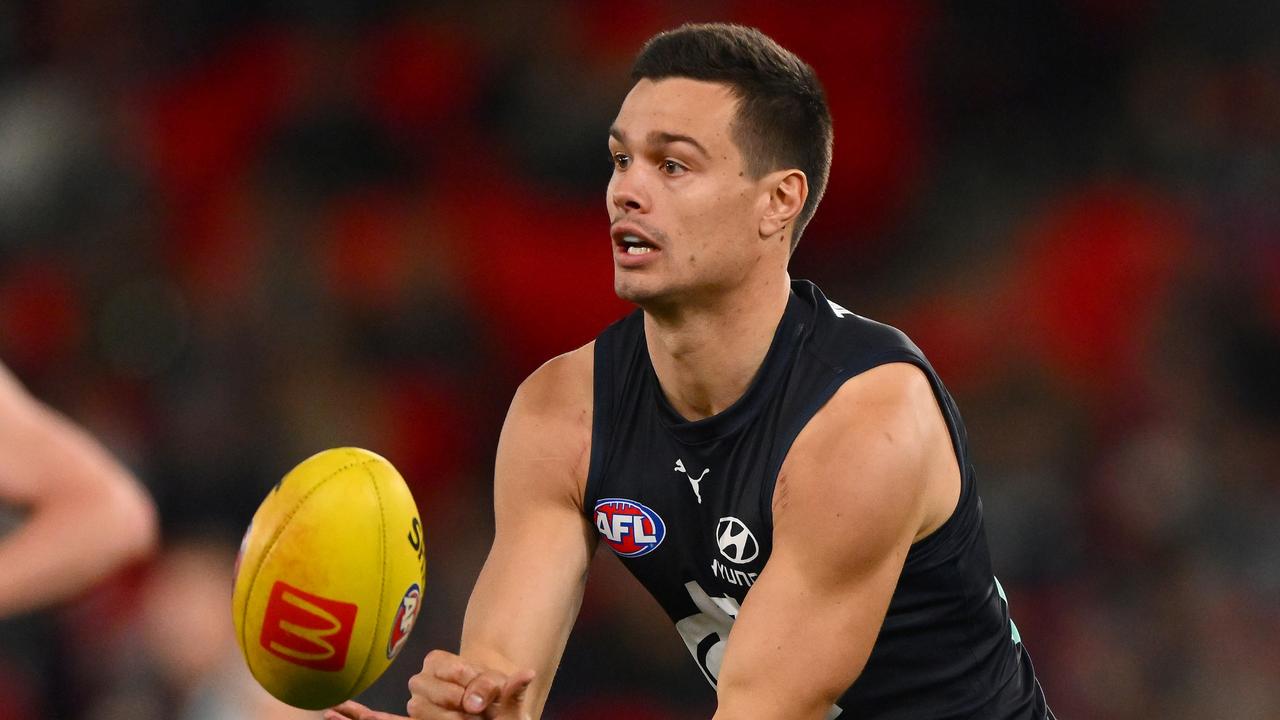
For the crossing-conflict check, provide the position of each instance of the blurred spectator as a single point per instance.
(176, 656)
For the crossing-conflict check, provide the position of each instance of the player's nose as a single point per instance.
(627, 193)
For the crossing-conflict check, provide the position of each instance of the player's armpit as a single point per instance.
(530, 589)
(870, 474)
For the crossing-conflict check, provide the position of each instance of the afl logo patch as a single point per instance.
(736, 541)
(630, 528)
(405, 617)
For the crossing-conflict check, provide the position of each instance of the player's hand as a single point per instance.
(451, 688)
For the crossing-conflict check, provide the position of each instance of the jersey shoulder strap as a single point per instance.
(617, 383)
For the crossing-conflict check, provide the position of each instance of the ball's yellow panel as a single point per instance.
(330, 577)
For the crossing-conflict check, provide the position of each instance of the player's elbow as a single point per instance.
(130, 523)
(144, 521)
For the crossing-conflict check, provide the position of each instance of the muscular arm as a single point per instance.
(85, 515)
(529, 592)
(873, 472)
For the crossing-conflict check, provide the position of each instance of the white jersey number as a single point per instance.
(707, 632)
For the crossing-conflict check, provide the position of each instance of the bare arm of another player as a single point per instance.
(85, 514)
(873, 472)
(529, 591)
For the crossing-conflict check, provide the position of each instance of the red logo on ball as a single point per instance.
(306, 629)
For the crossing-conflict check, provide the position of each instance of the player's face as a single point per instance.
(684, 213)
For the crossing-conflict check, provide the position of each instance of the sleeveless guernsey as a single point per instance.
(687, 507)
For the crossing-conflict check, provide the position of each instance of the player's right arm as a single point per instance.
(527, 596)
(530, 589)
(84, 514)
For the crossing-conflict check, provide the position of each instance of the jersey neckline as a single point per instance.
(776, 361)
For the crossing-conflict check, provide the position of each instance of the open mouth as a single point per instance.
(635, 245)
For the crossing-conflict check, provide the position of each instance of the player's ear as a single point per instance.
(787, 192)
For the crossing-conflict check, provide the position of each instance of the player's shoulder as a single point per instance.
(890, 388)
(860, 470)
(549, 423)
(864, 461)
(883, 405)
(560, 391)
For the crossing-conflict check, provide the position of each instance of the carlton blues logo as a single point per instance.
(306, 629)
(630, 528)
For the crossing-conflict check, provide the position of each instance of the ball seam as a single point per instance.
(382, 588)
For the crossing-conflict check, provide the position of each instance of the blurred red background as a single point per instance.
(234, 233)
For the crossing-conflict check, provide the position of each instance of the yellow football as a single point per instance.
(329, 578)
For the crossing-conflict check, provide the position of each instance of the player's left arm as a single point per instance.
(870, 474)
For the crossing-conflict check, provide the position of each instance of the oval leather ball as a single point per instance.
(329, 578)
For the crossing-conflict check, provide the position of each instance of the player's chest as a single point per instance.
(676, 513)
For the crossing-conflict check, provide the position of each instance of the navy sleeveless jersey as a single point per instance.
(687, 507)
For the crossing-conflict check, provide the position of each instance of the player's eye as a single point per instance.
(621, 160)
(671, 167)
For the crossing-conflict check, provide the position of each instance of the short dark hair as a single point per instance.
(782, 118)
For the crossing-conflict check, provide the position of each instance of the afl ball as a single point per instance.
(329, 578)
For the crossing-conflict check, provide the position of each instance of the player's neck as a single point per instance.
(706, 356)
